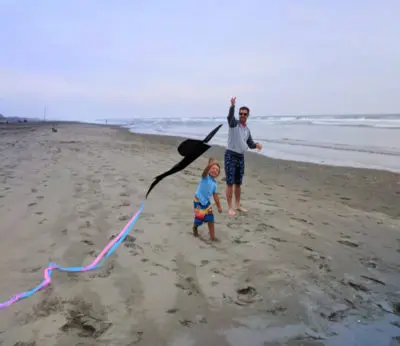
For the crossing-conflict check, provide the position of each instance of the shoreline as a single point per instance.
(315, 260)
(176, 139)
(330, 164)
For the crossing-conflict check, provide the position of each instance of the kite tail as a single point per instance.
(97, 263)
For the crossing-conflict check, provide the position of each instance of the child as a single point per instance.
(202, 205)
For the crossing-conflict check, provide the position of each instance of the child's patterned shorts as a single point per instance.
(202, 213)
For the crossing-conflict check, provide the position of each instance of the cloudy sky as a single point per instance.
(91, 59)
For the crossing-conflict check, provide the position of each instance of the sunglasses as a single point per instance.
(243, 113)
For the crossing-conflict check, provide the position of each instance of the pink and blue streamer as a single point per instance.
(97, 263)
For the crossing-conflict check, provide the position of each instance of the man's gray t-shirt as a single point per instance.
(239, 136)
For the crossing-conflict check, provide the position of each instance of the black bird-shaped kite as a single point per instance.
(190, 149)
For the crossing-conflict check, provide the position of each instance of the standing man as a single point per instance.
(239, 139)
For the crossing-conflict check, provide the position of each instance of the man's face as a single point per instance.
(243, 114)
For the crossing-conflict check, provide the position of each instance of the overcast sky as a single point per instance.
(90, 59)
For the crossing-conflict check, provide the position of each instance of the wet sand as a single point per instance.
(315, 261)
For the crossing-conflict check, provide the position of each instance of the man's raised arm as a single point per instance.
(231, 115)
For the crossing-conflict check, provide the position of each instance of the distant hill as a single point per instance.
(16, 119)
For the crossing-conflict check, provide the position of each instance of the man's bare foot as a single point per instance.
(195, 231)
(214, 239)
(231, 212)
(243, 210)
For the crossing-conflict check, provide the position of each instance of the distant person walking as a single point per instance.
(239, 140)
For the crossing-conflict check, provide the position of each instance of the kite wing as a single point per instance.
(212, 134)
(189, 146)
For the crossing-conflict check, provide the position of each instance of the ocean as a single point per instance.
(370, 141)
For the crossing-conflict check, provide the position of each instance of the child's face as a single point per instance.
(214, 171)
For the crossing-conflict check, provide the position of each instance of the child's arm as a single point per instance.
(217, 202)
(211, 161)
(205, 172)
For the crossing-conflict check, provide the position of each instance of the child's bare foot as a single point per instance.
(231, 212)
(195, 231)
(243, 210)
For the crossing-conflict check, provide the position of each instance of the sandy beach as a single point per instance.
(315, 261)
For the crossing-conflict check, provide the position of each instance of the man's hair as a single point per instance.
(244, 108)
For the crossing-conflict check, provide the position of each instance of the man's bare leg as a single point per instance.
(229, 193)
(237, 199)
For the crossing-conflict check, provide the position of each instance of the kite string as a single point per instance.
(107, 251)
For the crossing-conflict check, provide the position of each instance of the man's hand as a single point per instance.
(233, 101)
(220, 209)
(259, 146)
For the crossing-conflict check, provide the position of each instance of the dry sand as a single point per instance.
(318, 250)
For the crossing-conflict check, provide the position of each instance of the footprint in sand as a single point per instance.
(129, 242)
(322, 262)
(124, 218)
(348, 242)
(86, 224)
(245, 296)
(25, 343)
(308, 235)
(204, 262)
(235, 225)
(189, 285)
(263, 227)
(369, 262)
(31, 270)
(124, 204)
(280, 240)
(355, 285)
(32, 204)
(299, 219)
(239, 240)
(302, 200)
(82, 319)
